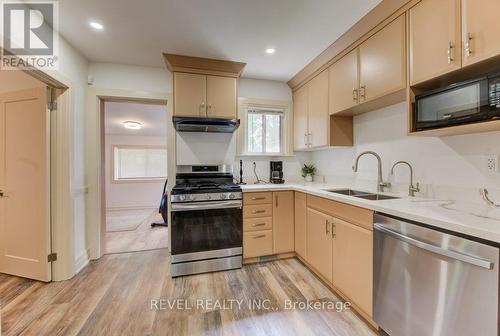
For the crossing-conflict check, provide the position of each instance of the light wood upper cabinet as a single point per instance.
(344, 83)
(435, 42)
(480, 30)
(283, 222)
(353, 263)
(300, 119)
(221, 97)
(300, 224)
(318, 111)
(382, 61)
(319, 243)
(189, 94)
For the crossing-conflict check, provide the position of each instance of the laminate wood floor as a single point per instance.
(141, 238)
(113, 296)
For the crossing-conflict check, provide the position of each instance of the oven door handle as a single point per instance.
(178, 207)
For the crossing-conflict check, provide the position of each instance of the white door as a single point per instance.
(24, 184)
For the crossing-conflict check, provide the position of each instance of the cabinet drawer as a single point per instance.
(258, 198)
(257, 243)
(257, 211)
(353, 214)
(254, 224)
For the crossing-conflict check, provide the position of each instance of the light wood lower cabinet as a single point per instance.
(319, 244)
(300, 224)
(353, 263)
(257, 243)
(283, 222)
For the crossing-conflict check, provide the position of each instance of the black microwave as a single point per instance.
(461, 103)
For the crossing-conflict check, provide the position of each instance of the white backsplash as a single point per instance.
(449, 167)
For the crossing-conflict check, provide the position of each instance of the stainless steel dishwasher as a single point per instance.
(427, 282)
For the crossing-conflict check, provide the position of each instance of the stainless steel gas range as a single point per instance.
(207, 220)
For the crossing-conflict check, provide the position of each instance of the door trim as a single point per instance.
(94, 150)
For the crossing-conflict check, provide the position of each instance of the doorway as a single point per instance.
(25, 176)
(134, 169)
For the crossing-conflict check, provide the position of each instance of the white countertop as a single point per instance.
(477, 220)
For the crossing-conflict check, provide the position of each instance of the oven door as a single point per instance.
(459, 104)
(213, 229)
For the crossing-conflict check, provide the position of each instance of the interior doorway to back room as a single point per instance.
(135, 168)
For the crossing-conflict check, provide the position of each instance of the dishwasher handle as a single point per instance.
(435, 249)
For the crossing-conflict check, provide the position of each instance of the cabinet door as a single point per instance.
(300, 224)
(189, 95)
(353, 263)
(283, 222)
(300, 120)
(319, 242)
(382, 62)
(344, 83)
(318, 111)
(480, 29)
(435, 41)
(221, 97)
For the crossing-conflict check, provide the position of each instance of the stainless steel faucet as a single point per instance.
(380, 183)
(411, 189)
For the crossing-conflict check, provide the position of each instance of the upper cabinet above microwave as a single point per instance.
(447, 35)
(204, 88)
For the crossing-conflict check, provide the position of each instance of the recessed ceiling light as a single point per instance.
(133, 125)
(270, 51)
(96, 25)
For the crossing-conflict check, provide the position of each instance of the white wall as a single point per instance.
(74, 66)
(264, 89)
(132, 194)
(449, 167)
(130, 77)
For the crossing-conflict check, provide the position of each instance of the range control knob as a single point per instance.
(191, 197)
(208, 197)
(222, 196)
(232, 196)
(182, 197)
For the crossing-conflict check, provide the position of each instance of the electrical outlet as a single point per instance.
(492, 163)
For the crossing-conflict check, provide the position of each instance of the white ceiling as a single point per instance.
(152, 117)
(137, 32)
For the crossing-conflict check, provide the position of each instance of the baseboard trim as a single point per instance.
(82, 261)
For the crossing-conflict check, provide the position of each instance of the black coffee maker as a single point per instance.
(276, 172)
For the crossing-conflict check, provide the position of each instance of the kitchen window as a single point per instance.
(139, 163)
(264, 130)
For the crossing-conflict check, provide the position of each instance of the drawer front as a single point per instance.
(257, 211)
(257, 243)
(350, 213)
(258, 198)
(256, 224)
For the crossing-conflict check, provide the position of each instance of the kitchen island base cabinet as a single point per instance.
(319, 246)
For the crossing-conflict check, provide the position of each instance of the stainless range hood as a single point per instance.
(207, 125)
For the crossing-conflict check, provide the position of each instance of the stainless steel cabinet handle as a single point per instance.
(436, 249)
(355, 95)
(209, 109)
(259, 224)
(258, 198)
(258, 211)
(305, 139)
(327, 227)
(259, 236)
(309, 136)
(202, 108)
(276, 200)
(334, 230)
(362, 92)
(450, 52)
(468, 49)
(2, 194)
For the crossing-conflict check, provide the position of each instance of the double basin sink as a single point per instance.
(362, 194)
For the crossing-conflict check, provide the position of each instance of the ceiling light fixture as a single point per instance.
(133, 125)
(270, 51)
(96, 25)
